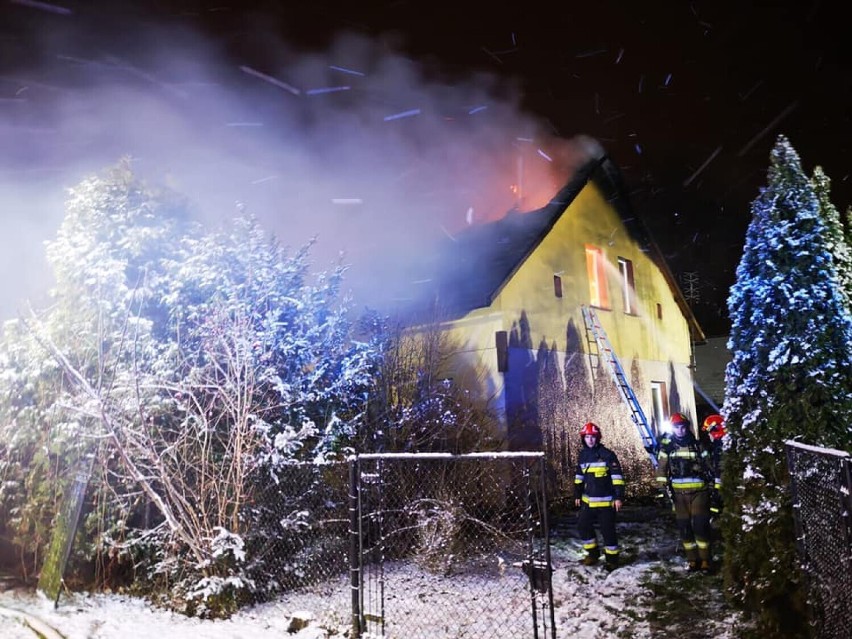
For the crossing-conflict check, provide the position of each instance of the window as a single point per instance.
(501, 342)
(557, 286)
(659, 311)
(628, 287)
(660, 405)
(596, 268)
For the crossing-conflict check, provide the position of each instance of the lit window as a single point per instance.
(628, 288)
(660, 403)
(596, 268)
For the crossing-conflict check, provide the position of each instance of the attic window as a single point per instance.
(557, 286)
(596, 269)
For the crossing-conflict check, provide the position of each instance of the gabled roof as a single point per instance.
(473, 267)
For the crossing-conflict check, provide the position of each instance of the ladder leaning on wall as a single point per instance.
(597, 338)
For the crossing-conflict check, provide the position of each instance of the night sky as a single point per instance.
(687, 97)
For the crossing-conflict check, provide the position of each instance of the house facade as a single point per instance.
(514, 299)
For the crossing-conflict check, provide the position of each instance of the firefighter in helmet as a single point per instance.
(598, 492)
(683, 465)
(714, 426)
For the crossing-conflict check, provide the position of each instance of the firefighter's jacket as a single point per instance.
(683, 464)
(598, 479)
(716, 448)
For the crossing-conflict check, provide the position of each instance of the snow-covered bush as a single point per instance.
(196, 367)
(422, 398)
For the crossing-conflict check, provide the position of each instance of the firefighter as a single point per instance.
(683, 465)
(714, 426)
(598, 492)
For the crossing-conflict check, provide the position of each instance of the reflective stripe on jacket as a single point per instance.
(684, 464)
(598, 479)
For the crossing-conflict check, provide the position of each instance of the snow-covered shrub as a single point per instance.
(197, 366)
(439, 527)
(422, 398)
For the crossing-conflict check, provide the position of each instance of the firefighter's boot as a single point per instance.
(705, 556)
(693, 562)
(592, 557)
(611, 562)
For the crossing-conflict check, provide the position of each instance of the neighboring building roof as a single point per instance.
(711, 359)
(485, 256)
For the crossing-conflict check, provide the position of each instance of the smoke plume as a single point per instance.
(373, 153)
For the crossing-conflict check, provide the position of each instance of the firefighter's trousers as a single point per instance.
(605, 518)
(692, 514)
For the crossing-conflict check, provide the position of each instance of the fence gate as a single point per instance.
(821, 481)
(450, 546)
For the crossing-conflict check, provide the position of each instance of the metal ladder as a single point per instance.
(599, 340)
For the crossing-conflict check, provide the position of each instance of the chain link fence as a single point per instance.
(409, 545)
(453, 546)
(821, 482)
(307, 560)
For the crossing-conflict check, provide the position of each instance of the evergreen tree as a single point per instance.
(112, 244)
(837, 235)
(790, 377)
(847, 228)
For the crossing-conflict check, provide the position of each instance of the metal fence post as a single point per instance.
(527, 475)
(846, 472)
(546, 532)
(354, 546)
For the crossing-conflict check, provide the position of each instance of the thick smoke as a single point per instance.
(373, 153)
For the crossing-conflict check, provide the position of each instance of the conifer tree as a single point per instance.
(838, 240)
(790, 377)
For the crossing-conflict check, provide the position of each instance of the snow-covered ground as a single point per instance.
(651, 595)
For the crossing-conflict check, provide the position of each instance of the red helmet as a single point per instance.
(714, 426)
(679, 418)
(591, 429)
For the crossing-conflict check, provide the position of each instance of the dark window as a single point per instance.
(557, 286)
(502, 341)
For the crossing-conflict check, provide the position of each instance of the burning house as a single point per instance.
(513, 297)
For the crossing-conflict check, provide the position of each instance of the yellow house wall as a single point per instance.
(657, 343)
(591, 220)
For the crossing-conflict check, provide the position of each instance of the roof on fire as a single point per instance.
(484, 257)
